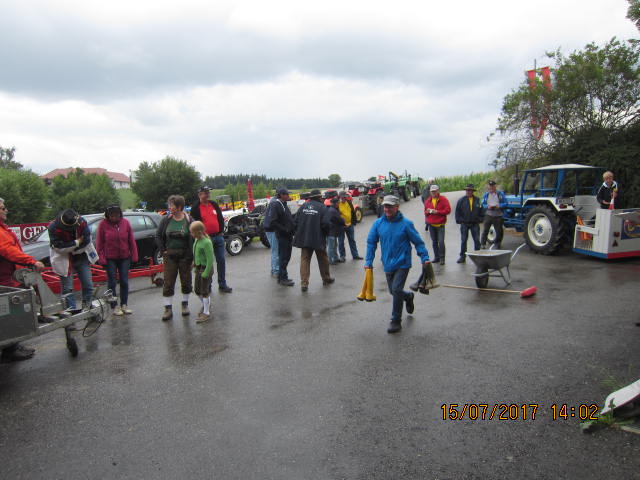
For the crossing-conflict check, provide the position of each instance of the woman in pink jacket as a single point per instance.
(117, 249)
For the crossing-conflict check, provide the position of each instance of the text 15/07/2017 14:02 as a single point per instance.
(515, 411)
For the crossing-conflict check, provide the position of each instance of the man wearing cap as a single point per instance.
(348, 214)
(271, 235)
(468, 216)
(69, 237)
(281, 221)
(395, 234)
(311, 229)
(493, 202)
(426, 191)
(208, 212)
(436, 209)
(11, 254)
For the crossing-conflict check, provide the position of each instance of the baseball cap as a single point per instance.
(315, 193)
(434, 187)
(204, 188)
(492, 182)
(470, 186)
(343, 194)
(282, 191)
(390, 200)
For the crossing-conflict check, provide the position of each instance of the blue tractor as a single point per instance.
(548, 202)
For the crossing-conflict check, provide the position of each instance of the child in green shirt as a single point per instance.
(203, 267)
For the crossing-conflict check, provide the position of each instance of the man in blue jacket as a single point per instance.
(493, 203)
(395, 234)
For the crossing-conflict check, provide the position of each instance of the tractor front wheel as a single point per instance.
(358, 214)
(235, 243)
(544, 230)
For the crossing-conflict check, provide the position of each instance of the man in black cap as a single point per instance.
(69, 237)
(208, 212)
(493, 202)
(312, 226)
(280, 220)
(468, 216)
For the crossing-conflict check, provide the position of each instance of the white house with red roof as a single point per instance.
(119, 180)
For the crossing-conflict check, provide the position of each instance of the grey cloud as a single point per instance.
(71, 59)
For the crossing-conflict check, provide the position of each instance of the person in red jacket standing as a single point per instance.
(11, 254)
(436, 209)
(117, 249)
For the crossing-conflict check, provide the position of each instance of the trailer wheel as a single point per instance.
(235, 243)
(72, 346)
(544, 230)
(405, 194)
(358, 212)
(265, 240)
(483, 281)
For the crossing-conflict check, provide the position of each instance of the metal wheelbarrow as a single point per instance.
(488, 262)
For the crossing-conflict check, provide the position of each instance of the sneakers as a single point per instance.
(394, 327)
(185, 309)
(126, 309)
(409, 303)
(287, 282)
(118, 311)
(442, 261)
(168, 313)
(461, 260)
(225, 289)
(358, 257)
(203, 317)
(328, 281)
(304, 288)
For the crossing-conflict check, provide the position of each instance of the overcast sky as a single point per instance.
(298, 88)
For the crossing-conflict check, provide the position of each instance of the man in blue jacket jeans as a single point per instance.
(395, 234)
(493, 202)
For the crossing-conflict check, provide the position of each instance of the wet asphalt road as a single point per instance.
(286, 385)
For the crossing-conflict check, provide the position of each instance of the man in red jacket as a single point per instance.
(436, 209)
(11, 254)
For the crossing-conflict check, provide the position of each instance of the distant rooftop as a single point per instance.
(114, 176)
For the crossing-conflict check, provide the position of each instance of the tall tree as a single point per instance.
(6, 159)
(84, 193)
(633, 13)
(25, 195)
(597, 88)
(155, 182)
(334, 180)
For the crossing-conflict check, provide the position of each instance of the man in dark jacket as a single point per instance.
(69, 235)
(468, 216)
(609, 192)
(279, 219)
(312, 226)
(336, 230)
(208, 212)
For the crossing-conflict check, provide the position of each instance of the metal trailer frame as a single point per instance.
(33, 310)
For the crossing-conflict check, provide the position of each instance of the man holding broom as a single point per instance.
(395, 234)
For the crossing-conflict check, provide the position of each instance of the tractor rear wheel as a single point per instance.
(544, 230)
(405, 194)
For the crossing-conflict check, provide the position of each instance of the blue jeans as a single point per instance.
(350, 233)
(80, 265)
(275, 260)
(395, 282)
(465, 229)
(114, 266)
(218, 252)
(437, 242)
(332, 249)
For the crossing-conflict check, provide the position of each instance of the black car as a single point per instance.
(144, 225)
